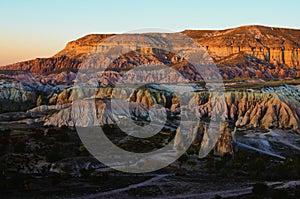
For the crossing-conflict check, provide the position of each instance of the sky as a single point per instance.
(40, 28)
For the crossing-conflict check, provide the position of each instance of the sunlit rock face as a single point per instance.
(47, 66)
(274, 50)
(270, 112)
(267, 108)
(243, 52)
(225, 141)
(277, 109)
(89, 113)
(273, 108)
(221, 142)
(183, 134)
(191, 131)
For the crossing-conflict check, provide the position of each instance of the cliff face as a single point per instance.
(268, 109)
(79, 48)
(46, 65)
(257, 109)
(275, 45)
(247, 52)
(271, 109)
(14, 96)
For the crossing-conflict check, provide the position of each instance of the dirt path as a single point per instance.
(207, 195)
(230, 193)
(278, 136)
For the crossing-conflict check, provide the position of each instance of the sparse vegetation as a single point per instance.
(260, 189)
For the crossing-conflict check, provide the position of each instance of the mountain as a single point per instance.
(246, 52)
(243, 52)
(270, 44)
(42, 93)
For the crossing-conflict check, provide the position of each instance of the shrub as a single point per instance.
(53, 156)
(19, 147)
(183, 159)
(192, 163)
(85, 173)
(218, 196)
(260, 188)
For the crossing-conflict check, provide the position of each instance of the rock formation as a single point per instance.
(52, 86)
(225, 141)
(15, 96)
(243, 52)
(275, 45)
(257, 109)
(277, 109)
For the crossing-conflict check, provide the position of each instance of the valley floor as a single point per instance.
(49, 171)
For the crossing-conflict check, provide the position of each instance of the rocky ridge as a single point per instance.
(243, 108)
(243, 52)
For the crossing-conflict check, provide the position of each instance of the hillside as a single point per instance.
(243, 52)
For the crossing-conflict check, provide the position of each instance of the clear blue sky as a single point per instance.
(37, 28)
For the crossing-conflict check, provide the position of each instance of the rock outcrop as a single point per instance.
(14, 96)
(279, 45)
(267, 108)
(74, 166)
(243, 52)
(225, 143)
(46, 65)
(277, 109)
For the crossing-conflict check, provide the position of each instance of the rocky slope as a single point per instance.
(266, 43)
(248, 52)
(267, 108)
(270, 107)
(267, 51)
(41, 91)
(15, 96)
(274, 108)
